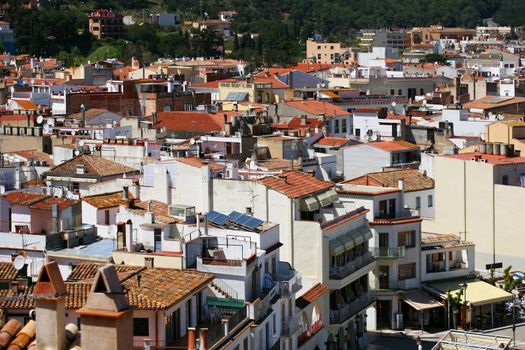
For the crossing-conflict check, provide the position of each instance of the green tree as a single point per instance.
(105, 52)
(509, 282)
(454, 301)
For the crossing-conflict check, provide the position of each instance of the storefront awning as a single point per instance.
(478, 292)
(309, 204)
(336, 247)
(420, 300)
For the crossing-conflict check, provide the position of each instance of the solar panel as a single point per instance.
(234, 215)
(217, 218)
(244, 219)
(253, 223)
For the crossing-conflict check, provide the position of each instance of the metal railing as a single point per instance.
(237, 318)
(287, 287)
(214, 335)
(340, 272)
(348, 310)
(389, 253)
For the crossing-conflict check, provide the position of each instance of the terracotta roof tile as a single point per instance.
(413, 179)
(315, 107)
(105, 200)
(7, 271)
(396, 221)
(311, 295)
(35, 155)
(485, 102)
(85, 272)
(160, 210)
(190, 121)
(26, 105)
(489, 158)
(23, 198)
(47, 204)
(392, 146)
(199, 163)
(295, 184)
(93, 166)
(333, 141)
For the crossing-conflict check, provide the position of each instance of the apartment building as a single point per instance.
(327, 53)
(383, 38)
(106, 23)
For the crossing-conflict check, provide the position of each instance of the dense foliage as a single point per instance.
(269, 31)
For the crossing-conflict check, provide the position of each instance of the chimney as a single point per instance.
(203, 340)
(106, 319)
(50, 298)
(191, 338)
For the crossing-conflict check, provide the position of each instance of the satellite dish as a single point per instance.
(192, 141)
(49, 121)
(2, 189)
(112, 230)
(19, 262)
(393, 104)
(39, 119)
(57, 192)
(46, 129)
(81, 143)
(76, 152)
(73, 133)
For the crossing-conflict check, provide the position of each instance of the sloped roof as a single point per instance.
(24, 198)
(26, 105)
(315, 107)
(104, 200)
(413, 179)
(190, 121)
(93, 166)
(7, 271)
(295, 184)
(392, 146)
(199, 163)
(311, 295)
(332, 141)
(489, 102)
(160, 210)
(47, 204)
(35, 155)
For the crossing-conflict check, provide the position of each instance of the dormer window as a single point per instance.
(80, 169)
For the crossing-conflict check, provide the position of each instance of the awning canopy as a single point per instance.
(420, 300)
(336, 247)
(478, 292)
(334, 197)
(324, 199)
(347, 241)
(309, 204)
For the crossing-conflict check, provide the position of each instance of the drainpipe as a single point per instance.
(157, 327)
(291, 230)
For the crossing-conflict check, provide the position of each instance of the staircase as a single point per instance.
(223, 289)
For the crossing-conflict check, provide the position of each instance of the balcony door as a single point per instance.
(383, 277)
(383, 240)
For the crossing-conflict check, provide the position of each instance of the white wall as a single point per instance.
(363, 159)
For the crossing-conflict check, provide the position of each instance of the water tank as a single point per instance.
(511, 150)
(496, 149)
(483, 148)
(399, 321)
(490, 148)
(504, 149)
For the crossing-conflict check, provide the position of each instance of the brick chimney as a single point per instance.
(50, 298)
(106, 319)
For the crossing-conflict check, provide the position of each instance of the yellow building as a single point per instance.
(479, 196)
(246, 91)
(507, 131)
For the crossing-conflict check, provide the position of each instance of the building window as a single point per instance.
(400, 92)
(406, 239)
(392, 92)
(343, 125)
(76, 186)
(418, 202)
(336, 126)
(358, 132)
(383, 209)
(106, 217)
(505, 179)
(407, 271)
(245, 344)
(430, 201)
(141, 327)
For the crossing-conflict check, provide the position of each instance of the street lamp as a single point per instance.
(464, 285)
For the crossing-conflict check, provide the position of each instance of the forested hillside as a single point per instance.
(60, 26)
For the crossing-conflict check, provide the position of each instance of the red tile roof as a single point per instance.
(105, 200)
(47, 204)
(191, 121)
(315, 107)
(94, 166)
(396, 221)
(274, 71)
(311, 295)
(295, 184)
(332, 141)
(199, 163)
(392, 146)
(26, 105)
(35, 155)
(489, 158)
(23, 198)
(413, 179)
(485, 102)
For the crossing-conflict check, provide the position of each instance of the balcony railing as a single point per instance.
(340, 272)
(348, 310)
(292, 285)
(307, 335)
(389, 253)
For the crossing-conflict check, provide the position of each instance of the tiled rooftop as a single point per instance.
(332, 141)
(311, 295)
(7, 271)
(413, 179)
(93, 166)
(190, 121)
(160, 210)
(47, 203)
(315, 107)
(199, 163)
(489, 158)
(105, 200)
(295, 184)
(392, 146)
(23, 198)
(364, 190)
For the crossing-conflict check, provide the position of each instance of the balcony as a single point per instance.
(348, 310)
(389, 253)
(290, 326)
(307, 335)
(288, 279)
(340, 272)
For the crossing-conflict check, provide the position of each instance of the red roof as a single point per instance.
(312, 67)
(273, 71)
(316, 107)
(24, 198)
(489, 158)
(367, 110)
(333, 141)
(191, 121)
(295, 184)
(311, 295)
(48, 203)
(213, 84)
(199, 163)
(276, 83)
(391, 146)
